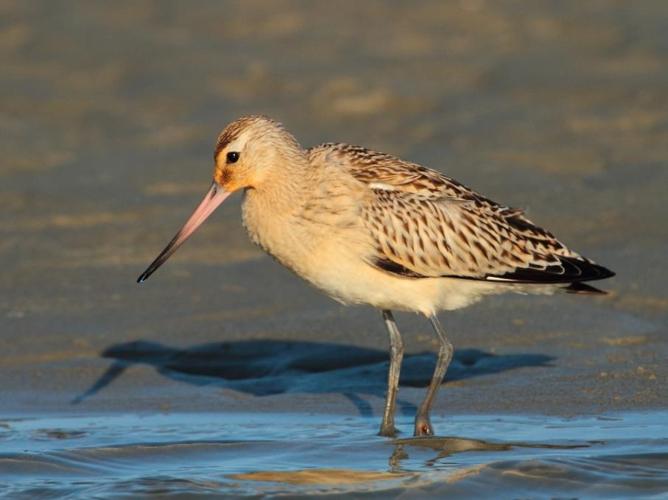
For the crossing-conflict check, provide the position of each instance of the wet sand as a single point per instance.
(107, 121)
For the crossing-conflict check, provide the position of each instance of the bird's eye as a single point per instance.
(232, 157)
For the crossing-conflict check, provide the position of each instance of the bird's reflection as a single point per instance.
(449, 445)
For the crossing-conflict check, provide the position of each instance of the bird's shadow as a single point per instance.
(267, 367)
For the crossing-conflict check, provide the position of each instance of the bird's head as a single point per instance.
(250, 153)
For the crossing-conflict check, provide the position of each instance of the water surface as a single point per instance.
(617, 455)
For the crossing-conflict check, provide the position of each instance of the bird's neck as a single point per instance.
(269, 209)
(282, 189)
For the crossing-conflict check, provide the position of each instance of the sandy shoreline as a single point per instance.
(282, 347)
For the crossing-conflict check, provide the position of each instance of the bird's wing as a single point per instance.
(425, 224)
(426, 236)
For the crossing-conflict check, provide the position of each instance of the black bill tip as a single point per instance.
(156, 263)
(144, 276)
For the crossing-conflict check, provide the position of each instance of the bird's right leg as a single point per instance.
(396, 355)
(422, 424)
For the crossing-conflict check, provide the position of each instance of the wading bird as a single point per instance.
(368, 228)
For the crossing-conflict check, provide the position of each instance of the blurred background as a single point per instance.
(110, 111)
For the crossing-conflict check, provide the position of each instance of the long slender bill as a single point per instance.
(214, 197)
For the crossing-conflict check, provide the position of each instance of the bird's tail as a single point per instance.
(582, 288)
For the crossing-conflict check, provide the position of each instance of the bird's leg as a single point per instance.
(396, 355)
(422, 423)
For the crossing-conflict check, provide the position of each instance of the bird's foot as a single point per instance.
(423, 427)
(388, 430)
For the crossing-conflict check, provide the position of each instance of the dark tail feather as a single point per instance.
(583, 288)
(569, 270)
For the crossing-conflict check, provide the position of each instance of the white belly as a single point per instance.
(342, 273)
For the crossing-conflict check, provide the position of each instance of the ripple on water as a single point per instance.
(619, 455)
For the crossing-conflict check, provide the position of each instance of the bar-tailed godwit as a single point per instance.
(368, 228)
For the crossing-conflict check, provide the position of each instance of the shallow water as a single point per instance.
(617, 455)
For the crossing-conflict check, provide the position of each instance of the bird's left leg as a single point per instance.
(396, 355)
(422, 423)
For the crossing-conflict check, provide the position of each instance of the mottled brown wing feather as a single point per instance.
(425, 224)
(434, 237)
